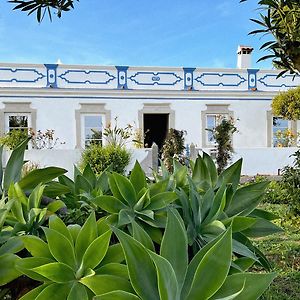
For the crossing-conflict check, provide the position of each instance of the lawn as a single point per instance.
(283, 251)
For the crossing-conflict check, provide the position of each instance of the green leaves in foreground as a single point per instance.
(168, 276)
(71, 264)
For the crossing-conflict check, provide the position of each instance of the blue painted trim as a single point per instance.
(252, 79)
(221, 75)
(189, 78)
(141, 98)
(122, 77)
(156, 78)
(261, 80)
(39, 75)
(51, 75)
(110, 77)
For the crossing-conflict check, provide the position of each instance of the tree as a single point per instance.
(287, 104)
(43, 7)
(281, 19)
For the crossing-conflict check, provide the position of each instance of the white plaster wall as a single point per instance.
(251, 121)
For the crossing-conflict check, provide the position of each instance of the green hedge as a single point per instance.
(101, 157)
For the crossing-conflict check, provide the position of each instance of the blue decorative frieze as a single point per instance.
(285, 81)
(156, 78)
(252, 79)
(189, 78)
(221, 79)
(20, 75)
(97, 77)
(122, 77)
(51, 75)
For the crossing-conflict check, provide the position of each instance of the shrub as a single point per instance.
(173, 148)
(100, 158)
(287, 104)
(223, 137)
(13, 138)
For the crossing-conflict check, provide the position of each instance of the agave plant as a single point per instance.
(134, 200)
(170, 276)
(78, 193)
(210, 203)
(74, 263)
(13, 171)
(24, 215)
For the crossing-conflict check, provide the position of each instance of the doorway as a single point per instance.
(155, 129)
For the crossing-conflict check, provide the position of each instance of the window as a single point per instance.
(281, 132)
(90, 119)
(92, 130)
(17, 122)
(212, 120)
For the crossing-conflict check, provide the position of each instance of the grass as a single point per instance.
(283, 251)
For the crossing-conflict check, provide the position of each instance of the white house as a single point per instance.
(73, 99)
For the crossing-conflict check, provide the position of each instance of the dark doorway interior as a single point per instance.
(155, 129)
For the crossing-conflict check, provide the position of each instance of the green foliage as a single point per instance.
(169, 275)
(100, 158)
(134, 204)
(13, 138)
(43, 7)
(173, 148)
(281, 19)
(24, 215)
(287, 104)
(283, 252)
(76, 271)
(209, 203)
(223, 136)
(188, 234)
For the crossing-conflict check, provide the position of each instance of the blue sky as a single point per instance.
(191, 33)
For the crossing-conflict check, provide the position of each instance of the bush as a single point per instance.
(101, 158)
(173, 148)
(13, 138)
(287, 104)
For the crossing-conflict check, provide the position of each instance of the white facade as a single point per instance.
(58, 96)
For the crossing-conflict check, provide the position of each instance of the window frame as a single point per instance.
(89, 109)
(212, 110)
(83, 127)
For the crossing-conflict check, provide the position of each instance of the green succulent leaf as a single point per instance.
(174, 246)
(161, 200)
(109, 203)
(57, 272)
(31, 295)
(101, 284)
(86, 236)
(57, 224)
(13, 245)
(60, 247)
(40, 176)
(143, 279)
(14, 165)
(8, 272)
(138, 178)
(142, 236)
(126, 189)
(36, 246)
(115, 269)
(212, 269)
(167, 283)
(55, 291)
(25, 266)
(78, 292)
(96, 251)
(254, 285)
(117, 295)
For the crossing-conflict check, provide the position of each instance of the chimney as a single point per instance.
(244, 57)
